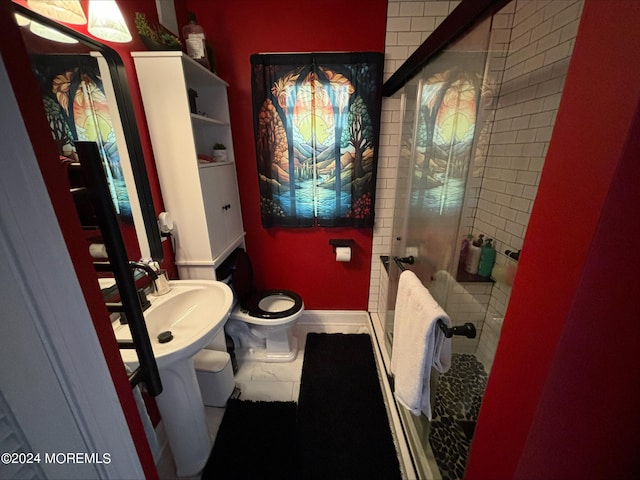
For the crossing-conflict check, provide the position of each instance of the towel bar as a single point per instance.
(468, 330)
(400, 261)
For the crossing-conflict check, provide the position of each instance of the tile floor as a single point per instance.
(274, 381)
(264, 381)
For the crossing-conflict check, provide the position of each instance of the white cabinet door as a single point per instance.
(214, 208)
(232, 211)
(222, 206)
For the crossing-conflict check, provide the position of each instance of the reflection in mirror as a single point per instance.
(77, 109)
(84, 91)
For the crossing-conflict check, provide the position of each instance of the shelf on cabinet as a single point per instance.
(197, 73)
(208, 120)
(214, 164)
(202, 197)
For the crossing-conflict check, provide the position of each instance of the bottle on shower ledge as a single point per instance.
(473, 256)
(487, 259)
(464, 249)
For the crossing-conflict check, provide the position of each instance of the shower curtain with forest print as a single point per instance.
(316, 125)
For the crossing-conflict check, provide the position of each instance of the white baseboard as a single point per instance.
(334, 317)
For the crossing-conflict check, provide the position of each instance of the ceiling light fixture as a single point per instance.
(106, 21)
(67, 11)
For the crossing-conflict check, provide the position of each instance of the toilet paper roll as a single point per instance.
(343, 254)
(98, 250)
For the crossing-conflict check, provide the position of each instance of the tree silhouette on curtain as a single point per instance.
(316, 125)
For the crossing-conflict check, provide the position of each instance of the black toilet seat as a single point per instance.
(252, 307)
(249, 298)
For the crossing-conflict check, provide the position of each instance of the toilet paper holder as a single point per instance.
(341, 242)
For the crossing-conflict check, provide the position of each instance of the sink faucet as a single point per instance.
(159, 282)
(147, 269)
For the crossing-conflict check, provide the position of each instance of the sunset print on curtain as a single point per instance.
(316, 124)
(449, 95)
(77, 110)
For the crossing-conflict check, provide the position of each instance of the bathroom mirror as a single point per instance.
(85, 92)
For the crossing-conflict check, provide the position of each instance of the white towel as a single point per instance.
(418, 344)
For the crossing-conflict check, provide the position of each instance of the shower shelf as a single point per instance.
(462, 276)
(385, 262)
(465, 277)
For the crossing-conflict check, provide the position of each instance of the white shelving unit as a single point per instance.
(201, 197)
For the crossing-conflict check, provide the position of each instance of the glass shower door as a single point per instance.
(441, 107)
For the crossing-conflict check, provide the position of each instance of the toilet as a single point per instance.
(261, 322)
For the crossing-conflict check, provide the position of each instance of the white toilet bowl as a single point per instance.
(261, 322)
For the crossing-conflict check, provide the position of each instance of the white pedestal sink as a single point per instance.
(194, 311)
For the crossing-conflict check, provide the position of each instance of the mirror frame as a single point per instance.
(129, 125)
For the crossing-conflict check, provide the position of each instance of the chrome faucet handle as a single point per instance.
(161, 284)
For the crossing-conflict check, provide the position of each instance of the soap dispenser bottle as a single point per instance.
(487, 259)
(473, 256)
(464, 249)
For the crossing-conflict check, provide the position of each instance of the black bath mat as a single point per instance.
(256, 440)
(343, 428)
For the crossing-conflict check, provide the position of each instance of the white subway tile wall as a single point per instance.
(542, 35)
(541, 42)
(531, 45)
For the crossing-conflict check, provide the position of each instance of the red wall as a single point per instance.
(561, 398)
(302, 259)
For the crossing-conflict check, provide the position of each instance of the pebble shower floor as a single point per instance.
(458, 398)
